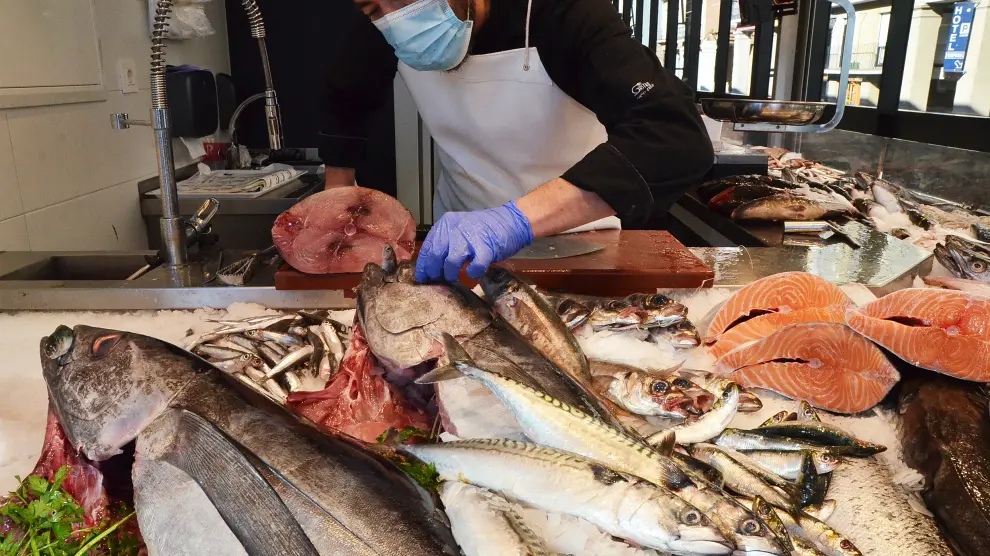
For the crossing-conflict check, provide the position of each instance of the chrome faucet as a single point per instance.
(171, 224)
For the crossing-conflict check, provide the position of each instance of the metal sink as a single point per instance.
(70, 267)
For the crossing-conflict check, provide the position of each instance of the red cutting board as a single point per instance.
(634, 261)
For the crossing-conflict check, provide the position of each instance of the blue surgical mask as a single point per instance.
(426, 35)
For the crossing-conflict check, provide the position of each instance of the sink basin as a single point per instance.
(88, 267)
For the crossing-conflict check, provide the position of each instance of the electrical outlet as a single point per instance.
(127, 75)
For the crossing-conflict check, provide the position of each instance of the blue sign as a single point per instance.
(959, 29)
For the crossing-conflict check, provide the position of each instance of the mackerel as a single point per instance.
(552, 423)
(564, 483)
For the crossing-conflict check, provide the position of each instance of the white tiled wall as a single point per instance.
(67, 180)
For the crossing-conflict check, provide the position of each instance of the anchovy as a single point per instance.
(290, 361)
(269, 335)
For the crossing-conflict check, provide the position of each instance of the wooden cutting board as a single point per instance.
(634, 261)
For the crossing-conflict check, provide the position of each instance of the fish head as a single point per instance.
(390, 262)
(965, 258)
(498, 283)
(826, 462)
(106, 386)
(572, 313)
(668, 399)
(751, 536)
(695, 533)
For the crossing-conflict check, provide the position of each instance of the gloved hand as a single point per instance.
(479, 238)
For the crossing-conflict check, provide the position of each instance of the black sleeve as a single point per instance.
(657, 144)
(358, 83)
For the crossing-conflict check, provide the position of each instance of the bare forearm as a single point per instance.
(339, 177)
(558, 205)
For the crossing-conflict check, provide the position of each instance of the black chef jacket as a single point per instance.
(657, 144)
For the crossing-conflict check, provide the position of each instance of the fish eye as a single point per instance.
(682, 383)
(846, 545)
(978, 266)
(829, 458)
(691, 517)
(749, 527)
(103, 345)
(659, 387)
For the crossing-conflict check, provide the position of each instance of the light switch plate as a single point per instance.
(127, 75)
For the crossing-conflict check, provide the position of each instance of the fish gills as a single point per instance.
(939, 330)
(787, 291)
(826, 364)
(764, 325)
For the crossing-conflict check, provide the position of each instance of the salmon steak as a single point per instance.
(825, 363)
(779, 293)
(764, 325)
(939, 330)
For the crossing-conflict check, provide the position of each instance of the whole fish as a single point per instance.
(484, 524)
(788, 464)
(740, 477)
(109, 388)
(789, 207)
(658, 309)
(710, 189)
(554, 424)
(404, 322)
(945, 434)
(644, 394)
(755, 440)
(825, 539)
(823, 433)
(573, 314)
(683, 335)
(710, 424)
(730, 199)
(965, 258)
(563, 483)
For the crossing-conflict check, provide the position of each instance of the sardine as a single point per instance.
(739, 477)
(807, 412)
(765, 512)
(823, 433)
(120, 385)
(289, 361)
(710, 424)
(485, 524)
(825, 539)
(563, 483)
(776, 418)
(754, 440)
(788, 464)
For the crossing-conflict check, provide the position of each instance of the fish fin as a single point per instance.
(455, 351)
(237, 490)
(663, 442)
(440, 374)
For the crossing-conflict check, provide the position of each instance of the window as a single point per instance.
(882, 38)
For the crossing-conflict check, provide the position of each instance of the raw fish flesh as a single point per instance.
(826, 364)
(358, 400)
(939, 330)
(342, 229)
(779, 293)
(764, 325)
(961, 284)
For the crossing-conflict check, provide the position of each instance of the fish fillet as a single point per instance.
(939, 330)
(825, 363)
(342, 229)
(779, 293)
(764, 325)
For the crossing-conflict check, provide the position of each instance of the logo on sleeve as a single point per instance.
(640, 89)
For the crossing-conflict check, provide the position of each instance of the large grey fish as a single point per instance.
(965, 258)
(108, 388)
(946, 436)
(560, 482)
(404, 323)
(557, 425)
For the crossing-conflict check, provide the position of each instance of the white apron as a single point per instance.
(501, 130)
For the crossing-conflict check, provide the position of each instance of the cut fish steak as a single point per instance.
(939, 330)
(779, 293)
(764, 325)
(342, 229)
(827, 364)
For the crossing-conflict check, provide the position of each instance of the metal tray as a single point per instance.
(763, 111)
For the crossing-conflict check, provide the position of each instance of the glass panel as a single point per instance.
(948, 65)
(741, 54)
(870, 39)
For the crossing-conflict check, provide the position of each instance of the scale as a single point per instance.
(786, 116)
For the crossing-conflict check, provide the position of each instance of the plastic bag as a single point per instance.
(187, 19)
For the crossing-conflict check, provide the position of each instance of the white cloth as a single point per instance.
(501, 131)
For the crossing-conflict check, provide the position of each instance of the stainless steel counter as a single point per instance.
(93, 281)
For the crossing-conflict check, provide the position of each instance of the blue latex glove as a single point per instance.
(478, 238)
